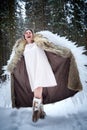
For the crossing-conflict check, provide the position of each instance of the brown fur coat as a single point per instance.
(42, 42)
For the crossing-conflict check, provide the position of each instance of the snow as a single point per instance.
(59, 116)
(68, 114)
(21, 8)
(13, 119)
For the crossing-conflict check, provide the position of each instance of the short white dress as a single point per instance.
(38, 68)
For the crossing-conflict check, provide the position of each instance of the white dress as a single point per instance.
(38, 68)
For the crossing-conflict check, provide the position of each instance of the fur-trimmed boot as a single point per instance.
(38, 111)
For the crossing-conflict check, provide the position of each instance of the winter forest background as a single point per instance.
(64, 17)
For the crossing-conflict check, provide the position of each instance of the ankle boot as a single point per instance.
(36, 109)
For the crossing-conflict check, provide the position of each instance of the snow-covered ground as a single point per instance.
(68, 114)
(56, 119)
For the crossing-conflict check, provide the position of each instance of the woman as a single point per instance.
(41, 72)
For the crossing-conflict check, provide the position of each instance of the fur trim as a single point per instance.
(43, 43)
(17, 52)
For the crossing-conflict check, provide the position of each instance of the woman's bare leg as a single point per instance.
(38, 92)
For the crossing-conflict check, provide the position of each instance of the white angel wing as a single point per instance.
(81, 59)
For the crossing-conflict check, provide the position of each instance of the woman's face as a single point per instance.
(28, 35)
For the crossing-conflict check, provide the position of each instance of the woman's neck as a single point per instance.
(30, 41)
